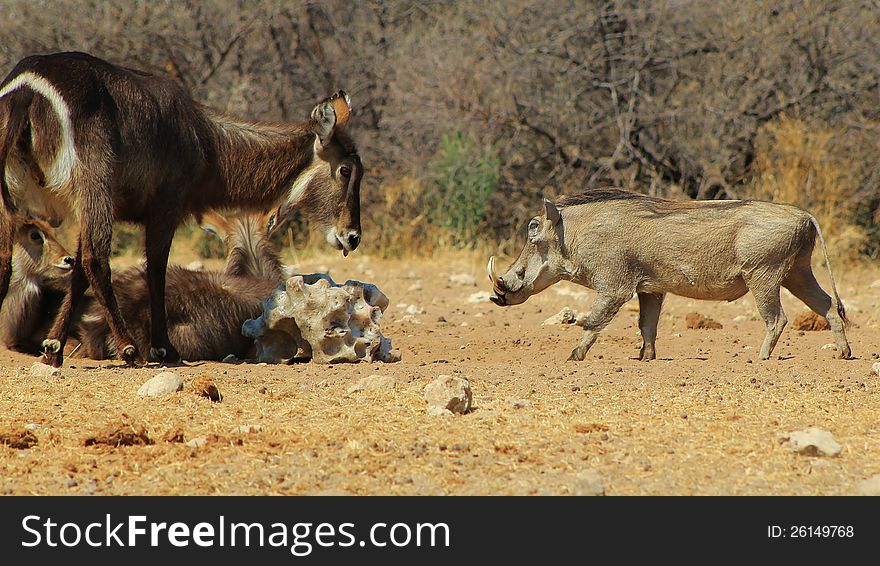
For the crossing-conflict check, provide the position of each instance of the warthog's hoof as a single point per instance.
(576, 356)
(131, 357)
(845, 353)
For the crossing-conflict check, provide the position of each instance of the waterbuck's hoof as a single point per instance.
(51, 346)
(167, 355)
(131, 357)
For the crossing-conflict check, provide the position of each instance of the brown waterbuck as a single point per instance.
(205, 308)
(622, 243)
(41, 269)
(109, 143)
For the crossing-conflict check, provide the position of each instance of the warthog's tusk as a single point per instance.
(493, 274)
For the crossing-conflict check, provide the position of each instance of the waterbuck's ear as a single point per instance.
(214, 223)
(551, 212)
(329, 113)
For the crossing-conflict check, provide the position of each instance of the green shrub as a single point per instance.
(464, 177)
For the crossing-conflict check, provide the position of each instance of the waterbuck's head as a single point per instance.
(328, 191)
(541, 262)
(38, 254)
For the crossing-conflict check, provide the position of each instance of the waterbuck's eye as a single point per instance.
(345, 171)
(36, 236)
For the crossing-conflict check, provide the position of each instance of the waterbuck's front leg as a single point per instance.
(6, 230)
(649, 316)
(53, 345)
(159, 233)
(604, 309)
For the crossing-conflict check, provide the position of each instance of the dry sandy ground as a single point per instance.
(702, 419)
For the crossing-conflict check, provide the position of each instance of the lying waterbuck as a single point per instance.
(80, 136)
(620, 243)
(205, 308)
(41, 270)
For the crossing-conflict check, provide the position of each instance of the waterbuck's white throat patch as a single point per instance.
(60, 170)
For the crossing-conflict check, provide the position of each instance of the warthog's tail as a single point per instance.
(838, 304)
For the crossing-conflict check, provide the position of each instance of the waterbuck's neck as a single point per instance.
(258, 163)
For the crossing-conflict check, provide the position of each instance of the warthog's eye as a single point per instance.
(533, 226)
(345, 171)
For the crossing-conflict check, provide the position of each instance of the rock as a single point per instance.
(829, 346)
(696, 321)
(463, 279)
(875, 368)
(195, 266)
(740, 318)
(162, 384)
(197, 442)
(449, 393)
(417, 286)
(39, 369)
(565, 316)
(203, 385)
(311, 317)
(811, 441)
(31, 426)
(373, 383)
(875, 284)
(413, 309)
(588, 483)
(479, 297)
(230, 359)
(870, 486)
(808, 320)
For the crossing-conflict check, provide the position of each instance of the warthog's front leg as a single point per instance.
(604, 309)
(649, 315)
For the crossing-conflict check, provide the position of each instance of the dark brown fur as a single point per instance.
(148, 154)
(205, 309)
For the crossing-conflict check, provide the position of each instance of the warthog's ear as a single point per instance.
(329, 113)
(551, 212)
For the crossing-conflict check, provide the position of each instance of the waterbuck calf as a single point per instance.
(109, 143)
(621, 243)
(205, 308)
(41, 270)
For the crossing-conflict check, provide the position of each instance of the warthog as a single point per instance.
(618, 243)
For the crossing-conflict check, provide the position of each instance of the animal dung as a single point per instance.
(696, 321)
(312, 317)
(808, 320)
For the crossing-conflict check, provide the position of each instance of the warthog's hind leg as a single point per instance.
(803, 285)
(649, 316)
(604, 309)
(770, 308)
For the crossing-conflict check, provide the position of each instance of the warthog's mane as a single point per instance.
(655, 205)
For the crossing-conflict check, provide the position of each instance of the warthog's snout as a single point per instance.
(500, 287)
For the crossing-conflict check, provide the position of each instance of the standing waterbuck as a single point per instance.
(109, 143)
(621, 243)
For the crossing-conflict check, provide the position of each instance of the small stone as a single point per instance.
(870, 486)
(565, 316)
(829, 347)
(31, 426)
(39, 369)
(247, 429)
(875, 284)
(740, 318)
(195, 266)
(197, 442)
(450, 393)
(417, 286)
(811, 441)
(463, 279)
(588, 483)
(875, 368)
(373, 383)
(413, 309)
(230, 359)
(479, 297)
(162, 384)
